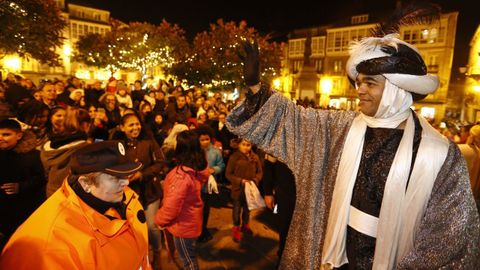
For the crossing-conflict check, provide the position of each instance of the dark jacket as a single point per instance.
(149, 153)
(177, 115)
(21, 165)
(241, 166)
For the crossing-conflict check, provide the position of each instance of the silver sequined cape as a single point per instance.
(310, 142)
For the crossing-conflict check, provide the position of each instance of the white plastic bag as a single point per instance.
(212, 185)
(254, 199)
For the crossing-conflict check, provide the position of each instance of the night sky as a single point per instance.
(274, 17)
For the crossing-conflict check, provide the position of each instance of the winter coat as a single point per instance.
(174, 114)
(149, 153)
(56, 160)
(182, 206)
(241, 166)
(66, 233)
(21, 165)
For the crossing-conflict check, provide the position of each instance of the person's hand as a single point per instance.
(11, 188)
(251, 63)
(244, 181)
(211, 170)
(136, 176)
(269, 201)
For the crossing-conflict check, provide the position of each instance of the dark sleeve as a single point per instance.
(254, 102)
(158, 160)
(259, 173)
(230, 171)
(36, 175)
(268, 179)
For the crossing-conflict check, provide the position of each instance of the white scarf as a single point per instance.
(394, 221)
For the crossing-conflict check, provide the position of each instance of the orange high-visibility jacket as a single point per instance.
(66, 233)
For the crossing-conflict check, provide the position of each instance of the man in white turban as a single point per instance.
(379, 188)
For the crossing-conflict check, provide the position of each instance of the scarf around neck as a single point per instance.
(395, 225)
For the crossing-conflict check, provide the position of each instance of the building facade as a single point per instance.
(471, 100)
(329, 47)
(81, 20)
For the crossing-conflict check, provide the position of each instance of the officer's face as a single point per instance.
(109, 188)
(370, 91)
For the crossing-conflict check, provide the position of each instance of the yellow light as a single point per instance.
(326, 85)
(476, 88)
(12, 63)
(83, 74)
(276, 83)
(67, 50)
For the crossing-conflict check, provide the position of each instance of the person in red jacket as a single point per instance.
(182, 207)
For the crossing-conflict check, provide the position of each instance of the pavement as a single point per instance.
(258, 251)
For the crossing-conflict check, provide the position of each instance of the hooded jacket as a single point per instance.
(182, 206)
(56, 160)
(66, 233)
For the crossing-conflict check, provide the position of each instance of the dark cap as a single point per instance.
(107, 157)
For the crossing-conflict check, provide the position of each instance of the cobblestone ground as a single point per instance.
(253, 252)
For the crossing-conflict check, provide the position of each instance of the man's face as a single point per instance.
(221, 118)
(48, 92)
(204, 141)
(76, 82)
(181, 102)
(97, 86)
(109, 188)
(159, 95)
(370, 91)
(110, 101)
(9, 138)
(59, 86)
(138, 86)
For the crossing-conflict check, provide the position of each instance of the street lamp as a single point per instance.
(326, 85)
(12, 63)
(276, 84)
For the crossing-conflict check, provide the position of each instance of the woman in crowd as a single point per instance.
(181, 211)
(98, 130)
(56, 121)
(243, 166)
(146, 181)
(33, 116)
(56, 152)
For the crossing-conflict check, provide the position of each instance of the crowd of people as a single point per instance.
(42, 129)
(118, 169)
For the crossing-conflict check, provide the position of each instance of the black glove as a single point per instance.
(251, 63)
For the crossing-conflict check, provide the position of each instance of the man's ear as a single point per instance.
(84, 184)
(19, 135)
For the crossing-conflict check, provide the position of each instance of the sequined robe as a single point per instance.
(310, 142)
